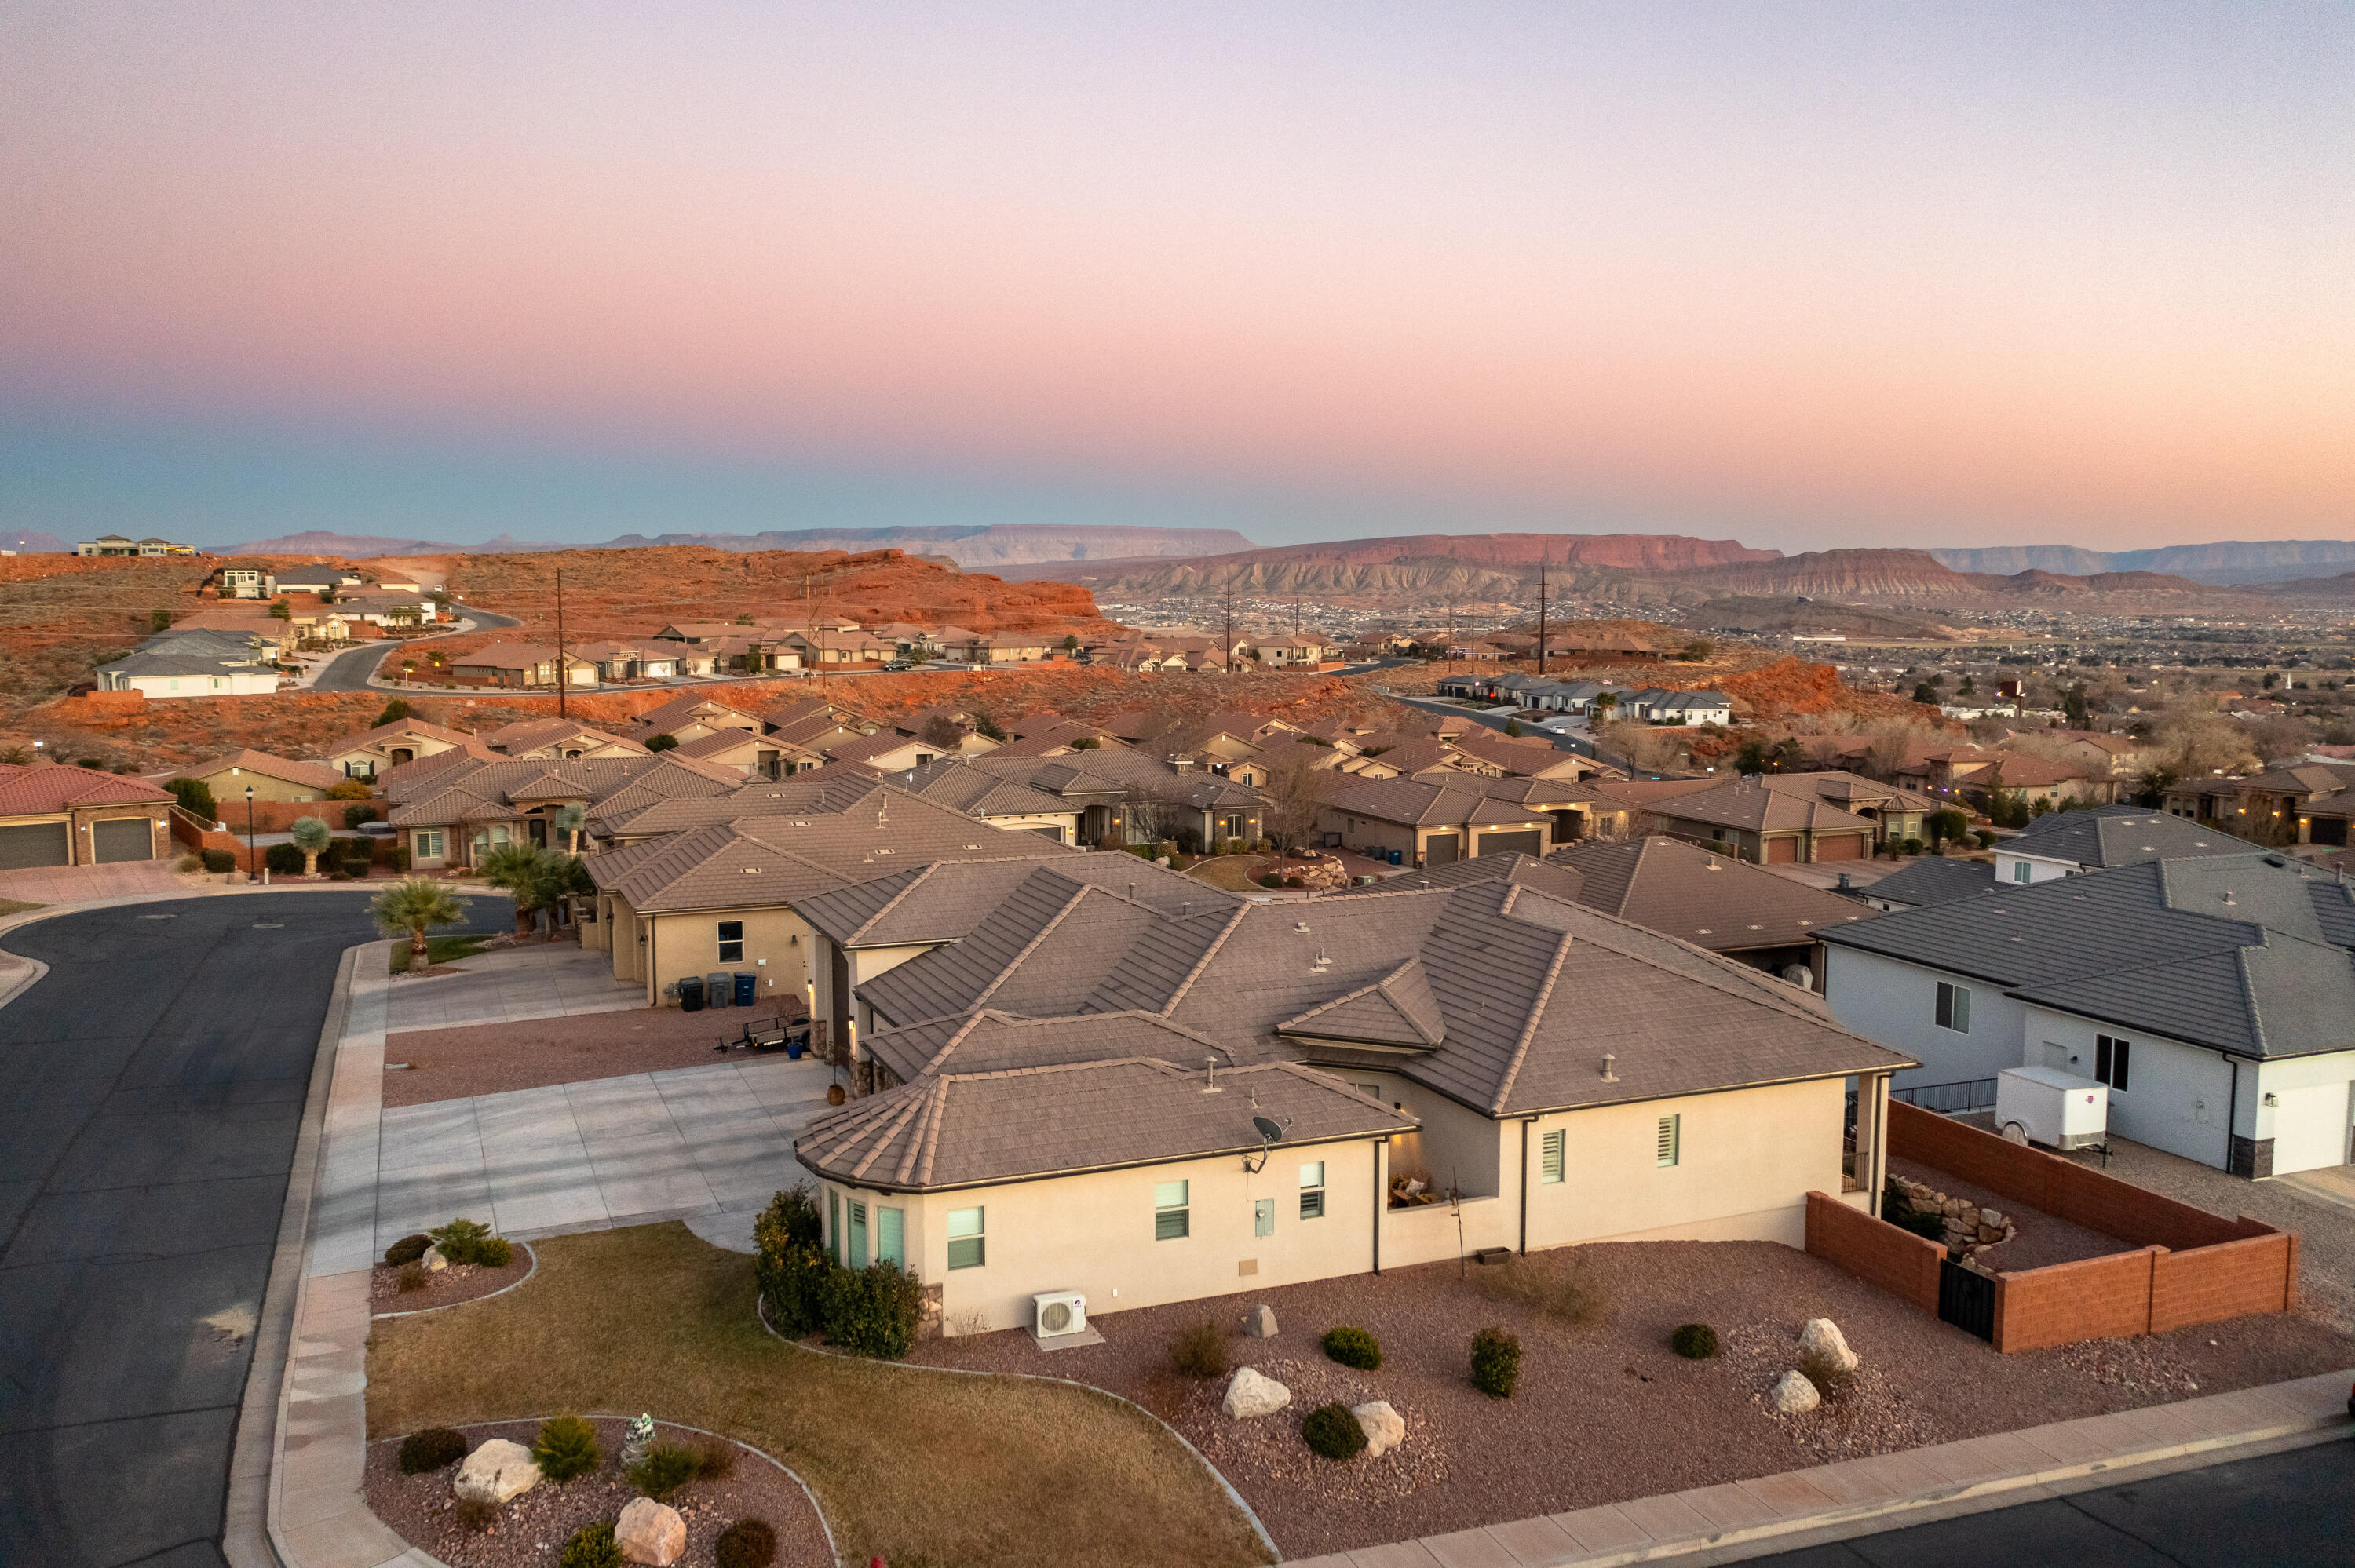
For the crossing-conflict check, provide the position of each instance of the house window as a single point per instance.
(2019, 871)
(857, 1258)
(892, 1237)
(966, 1242)
(429, 844)
(834, 1223)
(2110, 1059)
(1670, 1140)
(731, 941)
(1170, 1215)
(1550, 1151)
(1955, 1007)
(1312, 1190)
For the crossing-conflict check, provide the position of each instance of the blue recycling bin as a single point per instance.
(748, 988)
(1397, 857)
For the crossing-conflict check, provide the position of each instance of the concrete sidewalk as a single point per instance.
(508, 985)
(1860, 1493)
(121, 879)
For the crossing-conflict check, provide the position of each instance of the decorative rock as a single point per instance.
(649, 1532)
(1793, 1396)
(1990, 1217)
(1385, 1428)
(1259, 1323)
(1989, 1233)
(1822, 1337)
(496, 1471)
(433, 1261)
(1253, 1395)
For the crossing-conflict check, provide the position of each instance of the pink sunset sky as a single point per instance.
(1804, 274)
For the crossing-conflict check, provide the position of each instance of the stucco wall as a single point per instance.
(686, 945)
(2178, 1096)
(1895, 1004)
(2309, 1127)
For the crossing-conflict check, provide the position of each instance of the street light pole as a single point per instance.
(250, 873)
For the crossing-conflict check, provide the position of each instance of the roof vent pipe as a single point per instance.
(1609, 1061)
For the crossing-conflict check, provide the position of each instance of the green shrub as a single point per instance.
(1272, 879)
(399, 860)
(593, 1546)
(431, 1449)
(1694, 1342)
(797, 1210)
(747, 1543)
(1200, 1351)
(666, 1467)
(662, 742)
(196, 798)
(408, 1249)
(1332, 1432)
(566, 1448)
(354, 815)
(220, 861)
(1496, 1363)
(873, 1311)
(285, 860)
(1353, 1347)
(788, 1265)
(470, 1240)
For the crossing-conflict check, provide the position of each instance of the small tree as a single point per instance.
(312, 836)
(745, 619)
(1605, 705)
(661, 742)
(159, 620)
(196, 798)
(1947, 824)
(413, 906)
(1697, 650)
(534, 876)
(394, 712)
(2074, 710)
(282, 610)
(941, 733)
(1296, 791)
(350, 790)
(568, 822)
(1070, 644)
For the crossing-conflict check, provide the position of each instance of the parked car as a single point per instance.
(894, 664)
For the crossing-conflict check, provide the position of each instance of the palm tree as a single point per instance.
(514, 867)
(312, 837)
(411, 905)
(568, 822)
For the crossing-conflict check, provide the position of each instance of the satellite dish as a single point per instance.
(1269, 1131)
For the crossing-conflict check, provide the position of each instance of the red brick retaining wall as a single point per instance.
(2230, 1280)
(1904, 1264)
(2093, 1298)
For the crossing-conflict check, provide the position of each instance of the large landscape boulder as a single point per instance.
(496, 1471)
(1251, 1394)
(1259, 1323)
(1385, 1428)
(649, 1532)
(1822, 1337)
(1793, 1396)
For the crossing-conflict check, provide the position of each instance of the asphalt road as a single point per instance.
(350, 672)
(150, 1086)
(2284, 1510)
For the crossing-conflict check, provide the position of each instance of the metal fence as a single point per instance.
(1950, 1099)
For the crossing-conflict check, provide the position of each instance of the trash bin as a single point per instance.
(690, 994)
(1397, 857)
(717, 988)
(748, 988)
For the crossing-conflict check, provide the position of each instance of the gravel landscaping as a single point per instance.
(1606, 1410)
(2041, 1239)
(486, 1058)
(445, 1287)
(532, 1529)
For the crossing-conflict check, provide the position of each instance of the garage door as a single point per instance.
(34, 843)
(1508, 844)
(2310, 1128)
(1841, 846)
(1782, 851)
(123, 838)
(1443, 849)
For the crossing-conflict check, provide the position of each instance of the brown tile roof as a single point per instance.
(386, 735)
(1426, 802)
(951, 781)
(54, 787)
(1706, 899)
(531, 734)
(678, 710)
(1751, 807)
(946, 901)
(314, 775)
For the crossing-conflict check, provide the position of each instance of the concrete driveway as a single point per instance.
(506, 985)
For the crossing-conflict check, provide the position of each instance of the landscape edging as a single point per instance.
(469, 1301)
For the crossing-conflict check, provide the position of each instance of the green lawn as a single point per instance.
(437, 950)
(918, 1467)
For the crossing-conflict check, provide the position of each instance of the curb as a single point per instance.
(760, 1314)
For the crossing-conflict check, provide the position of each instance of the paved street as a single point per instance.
(349, 671)
(150, 1086)
(2284, 1510)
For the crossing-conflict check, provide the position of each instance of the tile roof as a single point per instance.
(1112, 775)
(1748, 805)
(951, 781)
(531, 734)
(944, 902)
(1426, 802)
(1934, 879)
(678, 710)
(313, 775)
(2121, 835)
(55, 786)
(385, 735)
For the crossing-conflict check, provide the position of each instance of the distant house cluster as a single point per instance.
(1646, 704)
(116, 545)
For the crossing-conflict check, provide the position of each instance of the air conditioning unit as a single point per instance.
(1056, 1313)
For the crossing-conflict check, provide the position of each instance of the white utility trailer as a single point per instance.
(2057, 1109)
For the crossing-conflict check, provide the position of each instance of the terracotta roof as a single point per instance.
(512, 656)
(1753, 807)
(53, 786)
(386, 735)
(313, 775)
(679, 710)
(1423, 802)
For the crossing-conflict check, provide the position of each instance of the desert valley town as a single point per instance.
(1180, 787)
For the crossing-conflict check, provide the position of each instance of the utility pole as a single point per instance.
(563, 676)
(1228, 659)
(1541, 617)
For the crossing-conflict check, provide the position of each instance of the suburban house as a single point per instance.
(1282, 649)
(987, 798)
(987, 648)
(318, 579)
(690, 717)
(721, 897)
(455, 816)
(2214, 996)
(527, 664)
(195, 662)
(2068, 843)
(2094, 752)
(1069, 1082)
(556, 737)
(746, 751)
(1932, 879)
(247, 582)
(1653, 704)
(1435, 819)
(1768, 824)
(230, 774)
(635, 660)
(52, 814)
(1129, 797)
(894, 751)
(116, 545)
(388, 746)
(1710, 900)
(2301, 802)
(1978, 774)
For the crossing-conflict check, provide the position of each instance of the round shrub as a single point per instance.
(566, 1448)
(1272, 879)
(593, 1546)
(747, 1543)
(1332, 1432)
(408, 1249)
(1199, 1351)
(431, 1449)
(217, 861)
(1694, 1342)
(1496, 1363)
(666, 1467)
(1353, 1347)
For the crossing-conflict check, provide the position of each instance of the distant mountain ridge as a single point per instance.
(2223, 564)
(980, 547)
